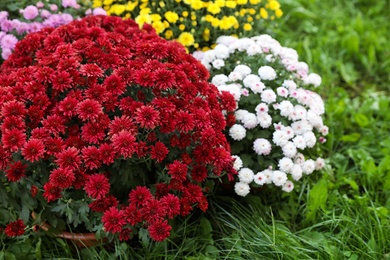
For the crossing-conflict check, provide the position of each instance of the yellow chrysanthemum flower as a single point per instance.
(242, 2)
(117, 9)
(213, 8)
(158, 26)
(273, 5)
(145, 10)
(278, 13)
(171, 17)
(206, 34)
(168, 34)
(263, 13)
(182, 27)
(196, 4)
(186, 38)
(143, 18)
(130, 6)
(97, 3)
(254, 2)
(247, 27)
(231, 4)
(184, 13)
(108, 2)
(161, 4)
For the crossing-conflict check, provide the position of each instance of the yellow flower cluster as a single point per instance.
(195, 23)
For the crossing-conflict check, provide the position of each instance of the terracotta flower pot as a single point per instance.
(81, 240)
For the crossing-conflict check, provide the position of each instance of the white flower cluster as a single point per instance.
(282, 106)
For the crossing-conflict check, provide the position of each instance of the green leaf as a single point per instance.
(361, 120)
(317, 199)
(143, 234)
(38, 252)
(350, 138)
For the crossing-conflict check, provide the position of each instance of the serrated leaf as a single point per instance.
(143, 234)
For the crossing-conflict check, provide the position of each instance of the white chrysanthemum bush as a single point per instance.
(277, 130)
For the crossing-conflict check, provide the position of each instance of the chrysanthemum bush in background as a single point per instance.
(109, 126)
(278, 124)
(195, 23)
(33, 17)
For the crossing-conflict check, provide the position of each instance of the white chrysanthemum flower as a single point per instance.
(264, 119)
(312, 79)
(242, 189)
(299, 142)
(244, 43)
(260, 178)
(198, 55)
(286, 108)
(324, 130)
(245, 175)
(261, 108)
(280, 138)
(290, 85)
(218, 63)
(283, 92)
(221, 51)
(288, 186)
(257, 87)
(206, 64)
(268, 96)
(299, 159)
(279, 178)
(226, 40)
(301, 127)
(250, 121)
(320, 163)
(262, 146)
(270, 58)
(300, 112)
(254, 49)
(219, 79)
(237, 162)
(244, 92)
(308, 166)
(289, 53)
(296, 172)
(251, 78)
(267, 176)
(310, 139)
(234, 76)
(237, 132)
(234, 89)
(244, 70)
(314, 119)
(289, 149)
(289, 131)
(267, 73)
(208, 56)
(240, 114)
(285, 164)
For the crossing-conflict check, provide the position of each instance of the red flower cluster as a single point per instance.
(87, 97)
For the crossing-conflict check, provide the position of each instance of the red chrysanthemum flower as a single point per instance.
(184, 122)
(51, 192)
(80, 178)
(54, 145)
(171, 204)
(62, 178)
(177, 170)
(153, 210)
(159, 230)
(91, 157)
(13, 139)
(124, 143)
(162, 189)
(185, 207)
(69, 158)
(114, 84)
(34, 89)
(230, 119)
(62, 81)
(54, 124)
(97, 186)
(193, 192)
(107, 154)
(68, 106)
(16, 171)
(159, 151)
(96, 92)
(13, 108)
(88, 109)
(113, 220)
(91, 70)
(140, 196)
(132, 215)
(103, 204)
(12, 122)
(125, 234)
(120, 124)
(228, 101)
(147, 117)
(199, 173)
(164, 78)
(92, 133)
(34, 191)
(15, 229)
(145, 78)
(33, 150)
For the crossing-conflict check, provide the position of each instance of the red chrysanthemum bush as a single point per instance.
(108, 125)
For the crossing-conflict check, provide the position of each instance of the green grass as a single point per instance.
(341, 213)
